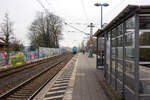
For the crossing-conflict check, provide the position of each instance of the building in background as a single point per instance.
(2, 44)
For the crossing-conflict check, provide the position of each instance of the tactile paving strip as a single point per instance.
(59, 87)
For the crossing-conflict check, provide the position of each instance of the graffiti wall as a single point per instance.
(2, 58)
(46, 52)
(31, 55)
(17, 58)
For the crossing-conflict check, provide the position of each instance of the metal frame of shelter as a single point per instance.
(122, 52)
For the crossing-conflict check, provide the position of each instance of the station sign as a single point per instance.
(91, 41)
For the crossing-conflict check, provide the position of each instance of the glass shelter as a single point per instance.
(127, 52)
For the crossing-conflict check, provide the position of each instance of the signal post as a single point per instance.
(91, 40)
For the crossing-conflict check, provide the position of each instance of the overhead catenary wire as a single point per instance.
(51, 6)
(85, 13)
(79, 23)
(84, 10)
(75, 31)
(63, 21)
(45, 9)
(48, 3)
(76, 28)
(84, 24)
(42, 5)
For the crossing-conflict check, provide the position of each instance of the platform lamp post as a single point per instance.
(99, 57)
(101, 5)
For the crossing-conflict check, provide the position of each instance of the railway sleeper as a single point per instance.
(22, 95)
(23, 92)
(58, 88)
(65, 79)
(58, 82)
(62, 84)
(28, 93)
(54, 94)
(14, 97)
(54, 98)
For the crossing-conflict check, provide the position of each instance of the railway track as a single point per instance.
(34, 83)
(14, 77)
(29, 88)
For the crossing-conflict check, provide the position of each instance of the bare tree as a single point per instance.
(16, 45)
(7, 31)
(56, 28)
(45, 30)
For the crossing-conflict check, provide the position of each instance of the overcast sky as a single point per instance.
(75, 12)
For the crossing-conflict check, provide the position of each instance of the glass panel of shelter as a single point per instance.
(129, 52)
(108, 51)
(120, 52)
(114, 56)
(100, 58)
(144, 54)
(107, 54)
(114, 43)
(118, 45)
(116, 51)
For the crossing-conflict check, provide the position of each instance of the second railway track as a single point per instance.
(30, 87)
(25, 66)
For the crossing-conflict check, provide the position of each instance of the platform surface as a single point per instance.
(87, 86)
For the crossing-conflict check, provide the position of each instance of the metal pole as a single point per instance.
(110, 57)
(97, 53)
(91, 39)
(105, 74)
(124, 54)
(116, 59)
(101, 16)
(91, 31)
(136, 54)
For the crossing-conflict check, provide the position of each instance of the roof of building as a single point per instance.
(2, 42)
(129, 11)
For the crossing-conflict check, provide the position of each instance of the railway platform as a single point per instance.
(87, 86)
(79, 80)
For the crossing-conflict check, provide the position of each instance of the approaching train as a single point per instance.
(74, 50)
